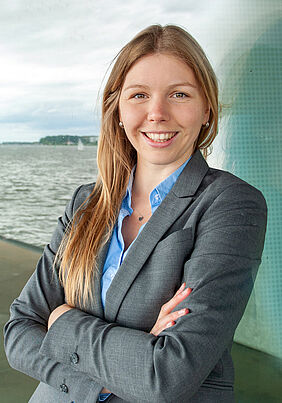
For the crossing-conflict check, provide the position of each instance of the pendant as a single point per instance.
(140, 218)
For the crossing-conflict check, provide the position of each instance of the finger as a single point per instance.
(180, 289)
(174, 301)
(170, 324)
(156, 331)
(177, 314)
(169, 320)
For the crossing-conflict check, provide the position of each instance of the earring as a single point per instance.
(121, 125)
(207, 124)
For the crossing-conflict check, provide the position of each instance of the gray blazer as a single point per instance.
(209, 231)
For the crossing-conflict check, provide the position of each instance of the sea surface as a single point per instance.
(36, 182)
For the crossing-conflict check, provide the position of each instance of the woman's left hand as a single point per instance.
(57, 313)
(166, 317)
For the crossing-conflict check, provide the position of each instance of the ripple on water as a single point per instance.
(36, 184)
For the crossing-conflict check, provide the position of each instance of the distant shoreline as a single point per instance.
(59, 140)
(40, 144)
(16, 143)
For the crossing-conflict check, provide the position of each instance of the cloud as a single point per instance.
(54, 54)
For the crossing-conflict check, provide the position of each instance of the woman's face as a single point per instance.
(162, 109)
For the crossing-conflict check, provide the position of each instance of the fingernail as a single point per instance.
(169, 324)
(186, 291)
(183, 311)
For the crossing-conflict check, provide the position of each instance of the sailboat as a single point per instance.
(80, 145)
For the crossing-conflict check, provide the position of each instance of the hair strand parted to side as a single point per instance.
(92, 224)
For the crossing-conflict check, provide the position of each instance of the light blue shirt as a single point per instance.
(116, 253)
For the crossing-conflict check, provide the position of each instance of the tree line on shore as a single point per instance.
(68, 140)
(60, 140)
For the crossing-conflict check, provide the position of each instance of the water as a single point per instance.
(36, 183)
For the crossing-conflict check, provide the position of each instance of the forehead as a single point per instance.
(159, 68)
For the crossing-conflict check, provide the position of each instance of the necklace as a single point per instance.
(140, 216)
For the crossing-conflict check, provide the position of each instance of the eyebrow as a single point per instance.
(184, 84)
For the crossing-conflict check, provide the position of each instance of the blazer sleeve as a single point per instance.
(27, 327)
(138, 366)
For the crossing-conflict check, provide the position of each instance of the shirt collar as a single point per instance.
(163, 188)
(158, 193)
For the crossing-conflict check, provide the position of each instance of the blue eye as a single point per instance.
(138, 96)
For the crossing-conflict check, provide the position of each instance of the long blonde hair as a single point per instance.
(93, 222)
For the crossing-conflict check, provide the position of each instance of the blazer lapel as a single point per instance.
(177, 200)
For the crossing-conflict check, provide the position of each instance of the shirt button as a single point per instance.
(74, 358)
(64, 388)
(112, 275)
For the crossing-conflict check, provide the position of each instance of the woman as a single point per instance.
(159, 256)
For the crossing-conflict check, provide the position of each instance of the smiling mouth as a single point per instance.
(161, 137)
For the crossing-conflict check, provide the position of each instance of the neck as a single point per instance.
(148, 176)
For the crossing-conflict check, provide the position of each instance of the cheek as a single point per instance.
(131, 115)
(132, 137)
(191, 118)
(133, 119)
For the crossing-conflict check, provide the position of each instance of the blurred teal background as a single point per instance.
(251, 148)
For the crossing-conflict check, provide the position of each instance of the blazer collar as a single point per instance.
(189, 180)
(177, 200)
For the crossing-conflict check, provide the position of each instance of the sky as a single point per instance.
(55, 54)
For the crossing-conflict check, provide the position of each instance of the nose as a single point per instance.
(157, 110)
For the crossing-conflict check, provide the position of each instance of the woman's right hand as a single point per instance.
(167, 318)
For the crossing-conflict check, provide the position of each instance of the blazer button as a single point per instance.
(74, 358)
(64, 388)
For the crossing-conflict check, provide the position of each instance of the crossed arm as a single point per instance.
(225, 258)
(167, 317)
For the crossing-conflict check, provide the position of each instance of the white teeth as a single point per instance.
(160, 137)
